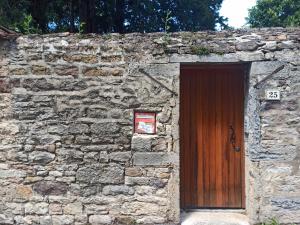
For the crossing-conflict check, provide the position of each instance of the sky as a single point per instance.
(236, 11)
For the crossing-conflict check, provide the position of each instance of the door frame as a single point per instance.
(247, 67)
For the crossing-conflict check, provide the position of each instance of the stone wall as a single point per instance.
(68, 154)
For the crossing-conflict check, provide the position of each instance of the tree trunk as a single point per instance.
(87, 15)
(119, 15)
(72, 16)
(38, 10)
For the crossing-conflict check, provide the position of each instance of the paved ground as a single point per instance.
(213, 218)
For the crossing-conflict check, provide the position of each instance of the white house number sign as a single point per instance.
(272, 95)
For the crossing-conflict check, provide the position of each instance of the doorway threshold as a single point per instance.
(214, 217)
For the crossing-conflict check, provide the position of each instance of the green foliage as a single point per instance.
(272, 221)
(275, 13)
(202, 50)
(106, 16)
(81, 27)
(167, 38)
(167, 19)
(26, 26)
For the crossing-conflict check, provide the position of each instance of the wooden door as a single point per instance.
(211, 136)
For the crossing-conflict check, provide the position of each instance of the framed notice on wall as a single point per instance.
(145, 122)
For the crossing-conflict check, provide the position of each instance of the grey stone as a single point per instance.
(271, 45)
(36, 208)
(248, 45)
(46, 220)
(62, 220)
(12, 173)
(96, 174)
(50, 188)
(78, 129)
(91, 209)
(154, 159)
(6, 220)
(100, 220)
(105, 128)
(41, 157)
(73, 208)
(120, 156)
(141, 143)
(118, 189)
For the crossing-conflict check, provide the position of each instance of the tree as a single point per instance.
(103, 16)
(275, 13)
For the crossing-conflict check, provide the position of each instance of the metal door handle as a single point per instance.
(233, 139)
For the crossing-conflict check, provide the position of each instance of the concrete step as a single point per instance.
(213, 218)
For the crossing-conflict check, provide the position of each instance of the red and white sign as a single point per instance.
(145, 122)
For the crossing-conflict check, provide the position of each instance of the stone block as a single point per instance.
(104, 128)
(50, 188)
(117, 190)
(141, 143)
(151, 220)
(12, 173)
(78, 128)
(42, 158)
(73, 208)
(55, 209)
(62, 220)
(23, 192)
(6, 220)
(101, 174)
(251, 56)
(36, 208)
(100, 219)
(66, 70)
(46, 220)
(85, 58)
(8, 128)
(102, 71)
(120, 156)
(111, 58)
(150, 181)
(133, 172)
(246, 45)
(91, 209)
(40, 70)
(154, 159)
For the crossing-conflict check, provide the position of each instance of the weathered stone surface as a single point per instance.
(41, 157)
(151, 220)
(40, 70)
(50, 188)
(116, 190)
(73, 208)
(97, 174)
(66, 70)
(248, 45)
(120, 156)
(154, 159)
(104, 128)
(102, 71)
(141, 143)
(5, 220)
(36, 208)
(99, 220)
(63, 220)
(81, 58)
(12, 173)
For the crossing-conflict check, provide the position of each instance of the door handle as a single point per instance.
(233, 139)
